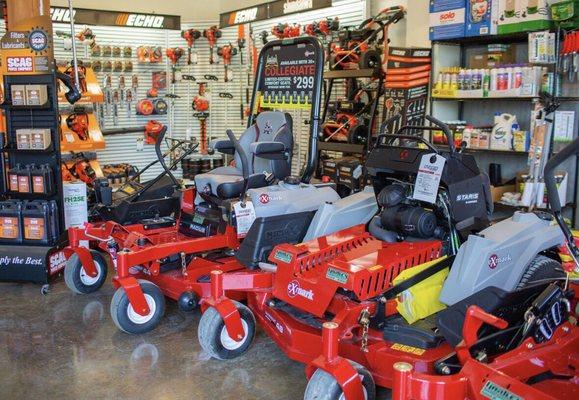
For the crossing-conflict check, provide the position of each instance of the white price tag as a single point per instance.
(244, 217)
(428, 177)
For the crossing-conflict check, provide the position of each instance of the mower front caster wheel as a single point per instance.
(128, 320)
(324, 386)
(76, 278)
(214, 338)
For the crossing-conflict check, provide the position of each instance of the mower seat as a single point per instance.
(267, 145)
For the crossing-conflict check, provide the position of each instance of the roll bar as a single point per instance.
(553, 194)
(315, 124)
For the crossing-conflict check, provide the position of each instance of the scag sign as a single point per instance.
(19, 64)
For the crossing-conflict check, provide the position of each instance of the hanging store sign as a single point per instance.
(116, 18)
(273, 9)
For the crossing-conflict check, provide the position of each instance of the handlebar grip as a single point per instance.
(241, 152)
(389, 121)
(161, 156)
(445, 129)
(549, 174)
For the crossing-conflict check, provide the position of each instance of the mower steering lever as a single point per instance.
(244, 161)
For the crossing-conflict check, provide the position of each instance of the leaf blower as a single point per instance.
(190, 36)
(174, 54)
(212, 34)
(226, 52)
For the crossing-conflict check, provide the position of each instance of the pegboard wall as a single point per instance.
(223, 113)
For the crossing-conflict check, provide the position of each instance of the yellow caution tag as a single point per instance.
(407, 349)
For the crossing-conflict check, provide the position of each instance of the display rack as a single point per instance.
(454, 52)
(32, 262)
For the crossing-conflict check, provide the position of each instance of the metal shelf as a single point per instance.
(352, 73)
(518, 37)
(341, 146)
(490, 151)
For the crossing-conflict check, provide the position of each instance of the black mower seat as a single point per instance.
(271, 128)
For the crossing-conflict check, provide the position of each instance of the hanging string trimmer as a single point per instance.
(226, 52)
(201, 106)
(174, 54)
(212, 34)
(190, 36)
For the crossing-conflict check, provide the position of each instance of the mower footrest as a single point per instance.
(422, 334)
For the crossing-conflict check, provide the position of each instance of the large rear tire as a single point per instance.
(76, 278)
(323, 386)
(214, 338)
(541, 269)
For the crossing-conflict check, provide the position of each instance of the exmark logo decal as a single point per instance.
(264, 198)
(140, 20)
(294, 289)
(495, 260)
(243, 16)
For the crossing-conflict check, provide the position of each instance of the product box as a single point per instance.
(493, 59)
(447, 19)
(330, 169)
(18, 95)
(408, 57)
(481, 17)
(23, 139)
(523, 15)
(350, 173)
(39, 139)
(409, 102)
(36, 95)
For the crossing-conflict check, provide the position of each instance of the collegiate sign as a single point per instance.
(272, 9)
(116, 18)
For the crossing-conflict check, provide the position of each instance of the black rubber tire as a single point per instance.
(73, 269)
(323, 386)
(120, 309)
(539, 269)
(211, 327)
(358, 134)
(370, 59)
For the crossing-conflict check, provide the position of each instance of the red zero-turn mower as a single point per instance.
(164, 240)
(363, 47)
(341, 304)
(540, 356)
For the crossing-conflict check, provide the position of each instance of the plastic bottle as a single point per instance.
(518, 77)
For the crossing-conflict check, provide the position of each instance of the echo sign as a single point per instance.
(19, 64)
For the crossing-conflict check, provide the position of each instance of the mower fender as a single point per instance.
(135, 294)
(85, 259)
(343, 372)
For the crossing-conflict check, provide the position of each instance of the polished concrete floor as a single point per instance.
(65, 346)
